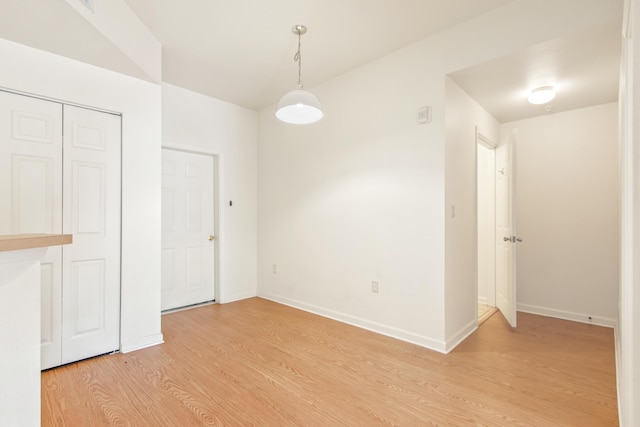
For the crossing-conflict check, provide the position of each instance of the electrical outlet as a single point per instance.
(374, 286)
(274, 269)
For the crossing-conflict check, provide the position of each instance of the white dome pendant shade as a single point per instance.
(299, 107)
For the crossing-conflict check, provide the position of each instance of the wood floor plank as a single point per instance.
(258, 363)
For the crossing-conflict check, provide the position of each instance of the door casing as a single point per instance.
(176, 295)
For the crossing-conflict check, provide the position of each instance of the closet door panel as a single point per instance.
(50, 315)
(88, 199)
(30, 165)
(31, 196)
(91, 265)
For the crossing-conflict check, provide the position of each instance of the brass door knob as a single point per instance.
(211, 237)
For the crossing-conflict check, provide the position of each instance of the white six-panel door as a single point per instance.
(91, 265)
(40, 169)
(31, 196)
(188, 246)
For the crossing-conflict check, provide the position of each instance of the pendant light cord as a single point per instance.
(298, 59)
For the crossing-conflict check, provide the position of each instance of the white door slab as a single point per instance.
(188, 246)
(91, 265)
(506, 228)
(31, 196)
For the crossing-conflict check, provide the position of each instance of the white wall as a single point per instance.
(567, 214)
(37, 72)
(463, 116)
(360, 196)
(112, 37)
(120, 25)
(196, 122)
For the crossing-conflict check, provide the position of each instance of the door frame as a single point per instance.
(481, 139)
(217, 212)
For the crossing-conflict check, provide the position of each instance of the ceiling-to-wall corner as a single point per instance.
(110, 36)
(117, 22)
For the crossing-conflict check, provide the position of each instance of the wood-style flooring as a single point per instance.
(484, 312)
(258, 363)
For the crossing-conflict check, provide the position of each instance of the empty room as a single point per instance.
(319, 213)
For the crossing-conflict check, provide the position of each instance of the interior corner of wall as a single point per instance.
(460, 336)
(115, 20)
(127, 346)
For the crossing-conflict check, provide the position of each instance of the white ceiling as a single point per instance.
(584, 70)
(241, 51)
(54, 26)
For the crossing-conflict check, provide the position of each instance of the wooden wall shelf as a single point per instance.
(16, 242)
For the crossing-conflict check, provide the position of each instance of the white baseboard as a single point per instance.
(422, 341)
(482, 300)
(142, 342)
(224, 299)
(568, 315)
(461, 335)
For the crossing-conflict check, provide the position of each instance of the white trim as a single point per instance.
(461, 335)
(218, 195)
(626, 19)
(236, 297)
(410, 337)
(140, 343)
(625, 340)
(484, 140)
(58, 101)
(490, 293)
(619, 371)
(188, 307)
(197, 149)
(568, 315)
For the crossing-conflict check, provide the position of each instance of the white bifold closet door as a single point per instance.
(91, 212)
(31, 196)
(60, 173)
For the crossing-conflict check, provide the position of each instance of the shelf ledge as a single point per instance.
(17, 242)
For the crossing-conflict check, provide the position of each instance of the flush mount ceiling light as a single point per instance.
(542, 95)
(299, 106)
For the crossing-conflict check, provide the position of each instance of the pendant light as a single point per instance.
(299, 106)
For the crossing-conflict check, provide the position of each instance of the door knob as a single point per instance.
(211, 237)
(506, 239)
(518, 239)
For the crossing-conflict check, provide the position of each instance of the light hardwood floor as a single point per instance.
(485, 312)
(255, 362)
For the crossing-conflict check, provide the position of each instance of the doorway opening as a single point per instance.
(496, 226)
(486, 226)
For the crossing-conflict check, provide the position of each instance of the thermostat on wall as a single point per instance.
(424, 115)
